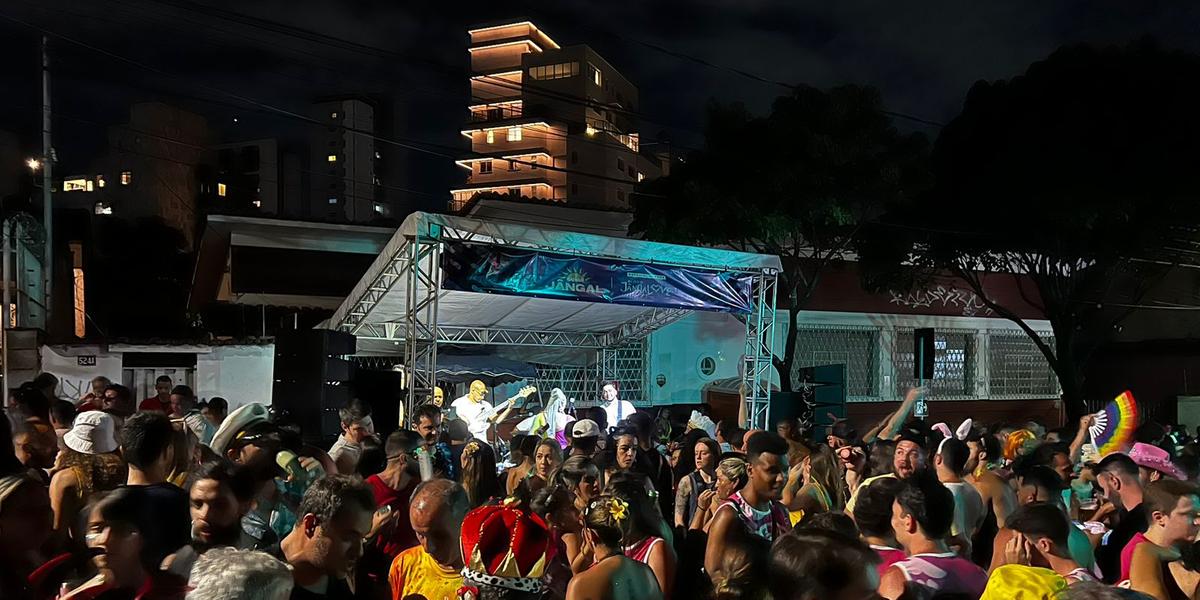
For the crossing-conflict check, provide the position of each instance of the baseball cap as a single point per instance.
(94, 432)
(585, 428)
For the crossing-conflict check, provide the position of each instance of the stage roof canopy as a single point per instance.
(535, 329)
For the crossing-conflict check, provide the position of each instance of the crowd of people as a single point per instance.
(106, 497)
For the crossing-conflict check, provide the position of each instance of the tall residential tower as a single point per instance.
(549, 123)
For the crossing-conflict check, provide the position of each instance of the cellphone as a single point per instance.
(383, 510)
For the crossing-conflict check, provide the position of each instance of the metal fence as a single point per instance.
(855, 347)
(953, 365)
(1017, 369)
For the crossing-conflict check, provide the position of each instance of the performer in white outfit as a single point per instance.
(615, 408)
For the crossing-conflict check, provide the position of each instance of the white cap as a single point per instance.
(585, 428)
(235, 422)
(94, 432)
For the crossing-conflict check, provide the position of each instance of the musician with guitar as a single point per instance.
(479, 414)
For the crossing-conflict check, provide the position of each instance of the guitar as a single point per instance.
(487, 416)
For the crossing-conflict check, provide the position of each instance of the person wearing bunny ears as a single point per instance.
(950, 462)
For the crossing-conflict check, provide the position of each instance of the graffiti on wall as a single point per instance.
(942, 297)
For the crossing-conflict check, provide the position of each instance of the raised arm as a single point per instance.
(1085, 422)
(892, 426)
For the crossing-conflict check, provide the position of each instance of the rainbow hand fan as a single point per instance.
(1114, 426)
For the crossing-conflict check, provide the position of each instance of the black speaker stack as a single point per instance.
(312, 379)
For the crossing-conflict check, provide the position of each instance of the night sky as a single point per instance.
(924, 57)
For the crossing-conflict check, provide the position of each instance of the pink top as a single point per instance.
(945, 573)
(641, 550)
(1127, 554)
(888, 556)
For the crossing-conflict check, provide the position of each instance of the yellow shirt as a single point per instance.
(415, 573)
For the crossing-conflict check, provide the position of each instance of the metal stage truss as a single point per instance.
(400, 307)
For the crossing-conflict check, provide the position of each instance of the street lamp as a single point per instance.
(33, 164)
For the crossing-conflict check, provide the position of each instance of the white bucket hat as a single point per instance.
(235, 422)
(94, 432)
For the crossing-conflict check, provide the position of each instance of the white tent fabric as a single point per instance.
(495, 311)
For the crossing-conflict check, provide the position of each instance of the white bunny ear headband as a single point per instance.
(964, 429)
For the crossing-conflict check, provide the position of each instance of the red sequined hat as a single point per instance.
(505, 546)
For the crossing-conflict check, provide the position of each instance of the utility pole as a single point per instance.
(47, 164)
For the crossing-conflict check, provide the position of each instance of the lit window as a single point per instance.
(555, 71)
(641, 176)
(381, 209)
(221, 190)
(333, 115)
(103, 208)
(491, 136)
(331, 158)
(485, 167)
(590, 130)
(257, 203)
(514, 134)
(99, 181)
(90, 186)
(596, 78)
(75, 185)
(126, 177)
(333, 200)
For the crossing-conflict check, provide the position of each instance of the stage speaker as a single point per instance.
(312, 379)
(923, 353)
(819, 390)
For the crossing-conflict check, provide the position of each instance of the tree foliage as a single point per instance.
(1078, 177)
(799, 182)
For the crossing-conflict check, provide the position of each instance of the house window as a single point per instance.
(99, 181)
(620, 165)
(641, 176)
(380, 209)
(331, 158)
(103, 208)
(491, 136)
(485, 167)
(333, 200)
(513, 165)
(221, 190)
(126, 177)
(595, 74)
(514, 134)
(257, 203)
(333, 115)
(555, 71)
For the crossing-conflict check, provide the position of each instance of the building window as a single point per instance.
(555, 71)
(620, 165)
(1017, 369)
(594, 73)
(333, 115)
(257, 203)
(126, 177)
(380, 209)
(333, 200)
(331, 158)
(855, 347)
(221, 190)
(574, 157)
(641, 176)
(514, 134)
(99, 181)
(953, 363)
(485, 167)
(491, 136)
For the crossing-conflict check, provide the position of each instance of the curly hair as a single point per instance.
(95, 472)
